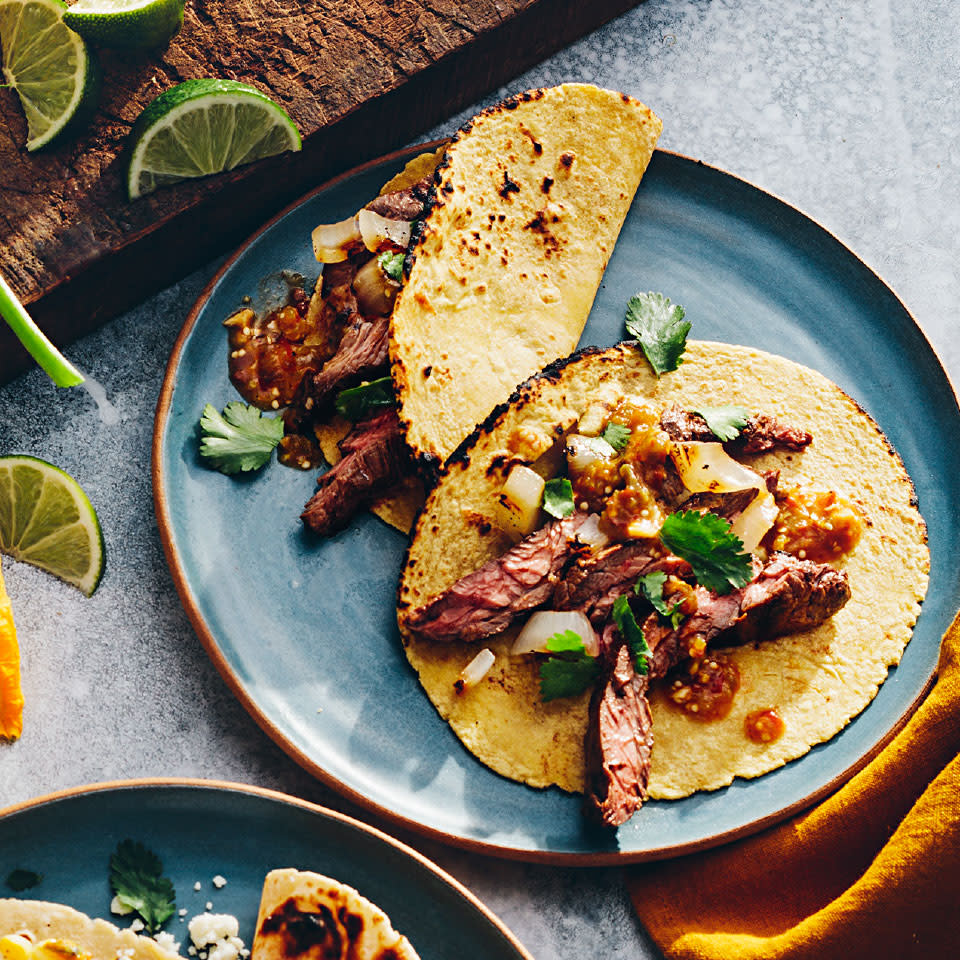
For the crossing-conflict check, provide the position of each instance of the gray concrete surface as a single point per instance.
(850, 112)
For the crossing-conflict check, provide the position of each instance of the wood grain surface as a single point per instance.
(359, 77)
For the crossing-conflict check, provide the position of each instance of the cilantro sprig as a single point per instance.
(356, 402)
(617, 435)
(136, 878)
(725, 422)
(239, 439)
(392, 265)
(651, 587)
(660, 329)
(705, 542)
(558, 497)
(632, 632)
(569, 670)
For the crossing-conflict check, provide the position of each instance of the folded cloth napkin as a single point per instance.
(872, 872)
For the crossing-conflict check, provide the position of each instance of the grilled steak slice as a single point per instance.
(362, 355)
(761, 432)
(619, 740)
(786, 596)
(373, 460)
(726, 505)
(593, 582)
(407, 204)
(489, 599)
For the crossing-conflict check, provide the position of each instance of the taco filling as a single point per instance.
(638, 547)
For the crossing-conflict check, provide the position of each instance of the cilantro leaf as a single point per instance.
(570, 671)
(651, 586)
(617, 435)
(392, 265)
(725, 422)
(136, 879)
(356, 402)
(239, 439)
(660, 329)
(19, 880)
(705, 542)
(558, 497)
(632, 632)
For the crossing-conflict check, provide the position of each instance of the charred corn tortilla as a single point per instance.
(529, 200)
(94, 938)
(361, 929)
(818, 681)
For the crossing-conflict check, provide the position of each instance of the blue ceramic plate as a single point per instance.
(201, 829)
(304, 631)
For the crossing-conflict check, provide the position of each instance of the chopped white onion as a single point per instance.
(332, 241)
(377, 231)
(517, 509)
(752, 525)
(545, 623)
(591, 534)
(374, 289)
(707, 467)
(475, 670)
(582, 451)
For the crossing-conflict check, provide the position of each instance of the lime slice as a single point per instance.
(205, 126)
(55, 76)
(47, 520)
(125, 23)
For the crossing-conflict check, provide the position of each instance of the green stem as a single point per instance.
(57, 367)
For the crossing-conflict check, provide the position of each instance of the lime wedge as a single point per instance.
(125, 23)
(55, 76)
(47, 520)
(205, 126)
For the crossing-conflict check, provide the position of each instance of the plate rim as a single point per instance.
(231, 678)
(267, 793)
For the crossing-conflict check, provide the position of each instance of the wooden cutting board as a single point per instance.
(359, 77)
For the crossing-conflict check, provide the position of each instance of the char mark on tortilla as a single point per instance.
(374, 460)
(488, 600)
(760, 434)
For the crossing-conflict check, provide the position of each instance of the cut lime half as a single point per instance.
(205, 126)
(46, 519)
(125, 23)
(50, 67)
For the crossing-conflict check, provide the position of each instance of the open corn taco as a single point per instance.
(832, 567)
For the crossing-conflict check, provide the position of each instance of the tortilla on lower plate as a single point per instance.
(304, 914)
(74, 933)
(819, 680)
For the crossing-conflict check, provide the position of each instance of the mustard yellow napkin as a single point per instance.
(873, 872)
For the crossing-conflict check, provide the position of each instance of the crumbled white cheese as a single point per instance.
(118, 907)
(167, 942)
(137, 925)
(218, 932)
(209, 906)
(196, 885)
(192, 951)
(182, 911)
(219, 881)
